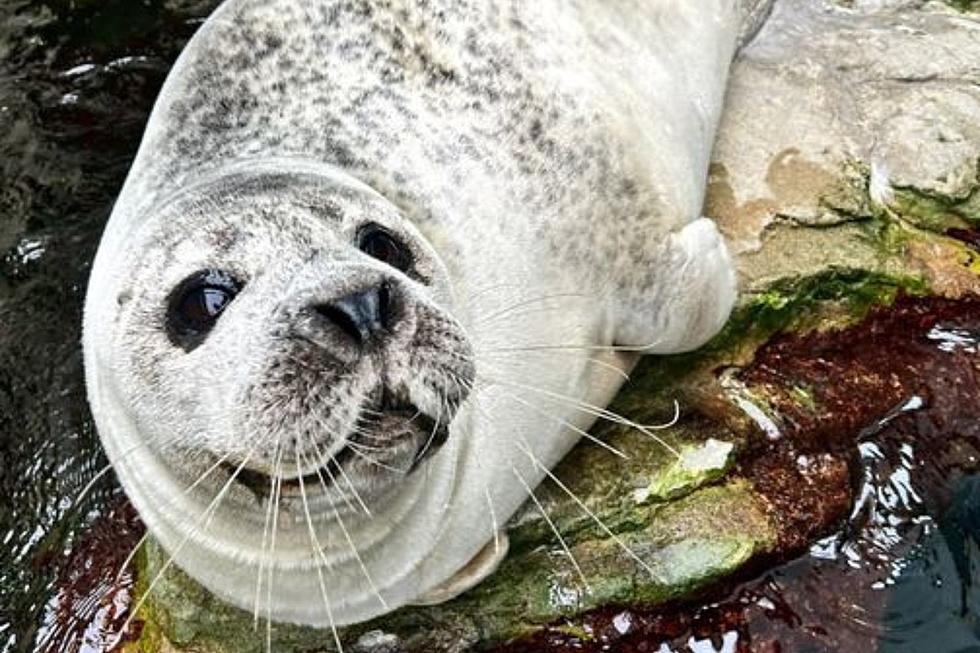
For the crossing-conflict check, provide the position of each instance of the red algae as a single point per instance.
(969, 236)
(94, 591)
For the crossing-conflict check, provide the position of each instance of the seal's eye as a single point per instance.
(377, 242)
(196, 303)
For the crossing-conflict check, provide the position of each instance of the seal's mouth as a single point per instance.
(397, 421)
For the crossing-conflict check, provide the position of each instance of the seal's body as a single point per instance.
(356, 229)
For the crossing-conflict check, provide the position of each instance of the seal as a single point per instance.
(378, 266)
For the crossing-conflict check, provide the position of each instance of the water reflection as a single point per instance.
(76, 83)
(899, 574)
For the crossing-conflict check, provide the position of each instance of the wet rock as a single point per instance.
(836, 110)
(376, 641)
(694, 466)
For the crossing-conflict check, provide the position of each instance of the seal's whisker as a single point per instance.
(634, 349)
(415, 416)
(367, 429)
(369, 440)
(350, 484)
(580, 431)
(324, 464)
(604, 413)
(367, 458)
(350, 542)
(364, 446)
(490, 353)
(481, 292)
(367, 421)
(585, 434)
(319, 551)
(265, 542)
(581, 504)
(363, 411)
(428, 442)
(494, 526)
(453, 469)
(276, 495)
(509, 311)
(132, 554)
(92, 482)
(98, 476)
(353, 488)
(554, 529)
(472, 297)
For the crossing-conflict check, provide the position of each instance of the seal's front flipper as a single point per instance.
(482, 565)
(684, 296)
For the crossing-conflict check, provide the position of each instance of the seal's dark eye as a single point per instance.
(195, 305)
(377, 242)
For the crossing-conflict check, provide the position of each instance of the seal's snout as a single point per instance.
(361, 316)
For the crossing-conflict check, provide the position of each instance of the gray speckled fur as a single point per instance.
(430, 103)
(544, 161)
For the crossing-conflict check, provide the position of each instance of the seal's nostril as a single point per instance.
(384, 304)
(360, 315)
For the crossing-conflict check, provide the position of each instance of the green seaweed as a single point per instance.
(792, 304)
(936, 212)
(964, 5)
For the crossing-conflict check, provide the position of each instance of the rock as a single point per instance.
(694, 466)
(847, 177)
(376, 641)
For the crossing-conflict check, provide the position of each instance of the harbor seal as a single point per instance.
(378, 265)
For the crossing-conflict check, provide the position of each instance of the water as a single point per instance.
(77, 79)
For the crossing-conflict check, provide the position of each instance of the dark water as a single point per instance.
(77, 79)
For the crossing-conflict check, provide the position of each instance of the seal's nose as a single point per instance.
(361, 315)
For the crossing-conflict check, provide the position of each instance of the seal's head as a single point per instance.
(286, 329)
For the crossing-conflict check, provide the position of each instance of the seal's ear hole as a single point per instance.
(194, 306)
(377, 242)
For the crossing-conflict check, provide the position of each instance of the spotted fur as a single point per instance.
(545, 162)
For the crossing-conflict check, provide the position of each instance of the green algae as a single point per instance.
(964, 5)
(937, 212)
(789, 304)
(805, 398)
